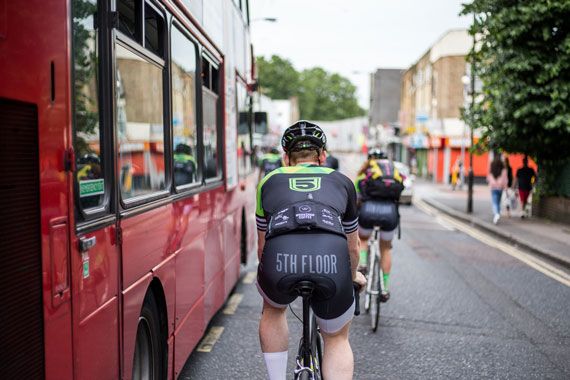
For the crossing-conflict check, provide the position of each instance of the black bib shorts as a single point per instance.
(315, 256)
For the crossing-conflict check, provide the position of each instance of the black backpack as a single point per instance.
(384, 186)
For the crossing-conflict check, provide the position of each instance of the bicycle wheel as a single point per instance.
(375, 297)
(371, 264)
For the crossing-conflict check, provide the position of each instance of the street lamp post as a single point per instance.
(472, 126)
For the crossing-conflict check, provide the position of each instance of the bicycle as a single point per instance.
(310, 353)
(375, 283)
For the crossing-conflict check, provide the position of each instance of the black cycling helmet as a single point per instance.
(376, 154)
(303, 135)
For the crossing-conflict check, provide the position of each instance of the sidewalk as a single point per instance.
(538, 235)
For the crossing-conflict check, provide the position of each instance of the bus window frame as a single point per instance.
(89, 218)
(195, 187)
(162, 63)
(220, 138)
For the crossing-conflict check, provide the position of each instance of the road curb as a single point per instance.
(544, 252)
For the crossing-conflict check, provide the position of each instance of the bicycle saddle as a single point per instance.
(323, 287)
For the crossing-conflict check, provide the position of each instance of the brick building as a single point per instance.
(432, 95)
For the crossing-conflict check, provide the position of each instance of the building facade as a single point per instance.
(384, 128)
(432, 95)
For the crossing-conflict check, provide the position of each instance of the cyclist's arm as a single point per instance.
(354, 251)
(260, 243)
(260, 221)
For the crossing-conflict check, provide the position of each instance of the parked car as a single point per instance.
(407, 194)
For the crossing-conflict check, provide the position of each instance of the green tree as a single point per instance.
(322, 95)
(278, 78)
(523, 60)
(325, 96)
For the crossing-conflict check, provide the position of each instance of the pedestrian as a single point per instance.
(455, 175)
(509, 194)
(497, 180)
(526, 177)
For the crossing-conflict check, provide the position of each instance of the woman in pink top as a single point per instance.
(497, 180)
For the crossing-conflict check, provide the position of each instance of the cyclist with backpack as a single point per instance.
(378, 186)
(307, 231)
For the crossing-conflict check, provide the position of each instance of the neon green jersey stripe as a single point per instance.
(299, 169)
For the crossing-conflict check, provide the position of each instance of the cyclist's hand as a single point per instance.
(360, 280)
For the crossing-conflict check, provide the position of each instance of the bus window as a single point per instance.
(244, 130)
(185, 139)
(128, 20)
(153, 29)
(260, 122)
(211, 161)
(210, 91)
(90, 178)
(140, 124)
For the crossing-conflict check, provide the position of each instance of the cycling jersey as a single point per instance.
(292, 184)
(270, 162)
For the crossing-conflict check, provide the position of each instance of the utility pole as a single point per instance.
(472, 126)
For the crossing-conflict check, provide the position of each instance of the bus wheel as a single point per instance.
(149, 349)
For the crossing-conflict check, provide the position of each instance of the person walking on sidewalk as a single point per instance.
(526, 177)
(497, 180)
(509, 193)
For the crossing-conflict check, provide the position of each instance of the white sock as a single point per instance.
(276, 363)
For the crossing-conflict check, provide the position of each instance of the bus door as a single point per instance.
(95, 254)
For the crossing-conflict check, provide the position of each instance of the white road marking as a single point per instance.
(233, 304)
(210, 339)
(530, 260)
(249, 278)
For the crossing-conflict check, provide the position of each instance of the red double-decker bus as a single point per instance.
(128, 188)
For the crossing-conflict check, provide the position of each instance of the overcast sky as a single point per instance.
(352, 37)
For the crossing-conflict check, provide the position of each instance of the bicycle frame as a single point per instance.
(309, 356)
(306, 362)
(375, 283)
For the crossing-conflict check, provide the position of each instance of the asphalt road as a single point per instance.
(459, 309)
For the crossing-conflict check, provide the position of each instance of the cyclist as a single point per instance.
(307, 230)
(269, 162)
(378, 186)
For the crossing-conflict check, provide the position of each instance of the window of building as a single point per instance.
(90, 175)
(210, 111)
(184, 127)
(140, 124)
